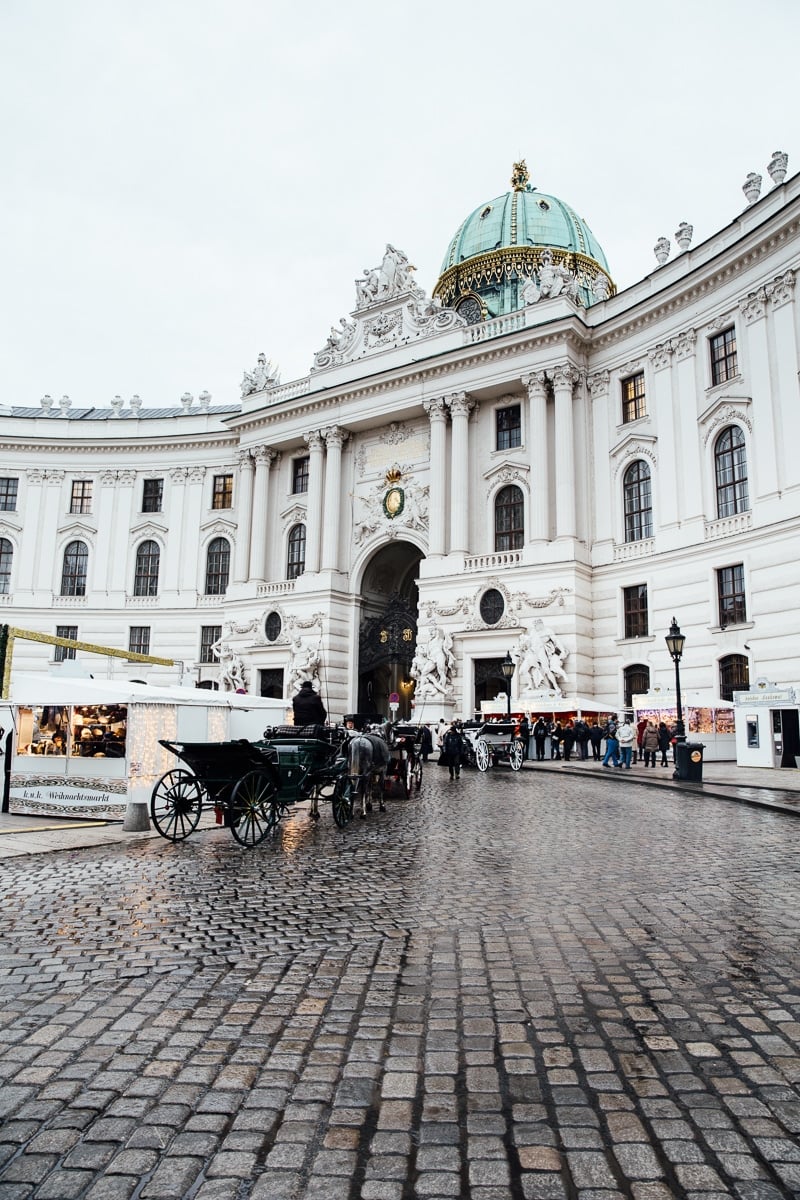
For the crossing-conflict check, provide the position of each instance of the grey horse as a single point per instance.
(368, 759)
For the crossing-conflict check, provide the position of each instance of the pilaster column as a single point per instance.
(191, 569)
(460, 406)
(174, 507)
(564, 379)
(315, 445)
(539, 516)
(241, 562)
(120, 569)
(27, 565)
(437, 495)
(46, 532)
(335, 437)
(264, 458)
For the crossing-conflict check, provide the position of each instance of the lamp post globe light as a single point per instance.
(507, 667)
(675, 642)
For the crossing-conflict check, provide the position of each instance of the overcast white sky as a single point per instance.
(188, 182)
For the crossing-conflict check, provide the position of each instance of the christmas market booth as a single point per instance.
(83, 747)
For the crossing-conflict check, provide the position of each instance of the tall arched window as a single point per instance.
(638, 502)
(734, 675)
(145, 578)
(6, 557)
(218, 567)
(730, 466)
(296, 557)
(73, 571)
(636, 682)
(509, 519)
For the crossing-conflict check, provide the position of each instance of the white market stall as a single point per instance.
(89, 747)
(706, 718)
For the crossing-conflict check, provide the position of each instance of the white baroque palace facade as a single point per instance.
(454, 480)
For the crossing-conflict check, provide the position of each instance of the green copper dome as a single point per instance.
(524, 237)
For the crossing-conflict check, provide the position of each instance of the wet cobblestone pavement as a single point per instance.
(512, 988)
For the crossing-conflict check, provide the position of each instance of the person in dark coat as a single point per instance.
(307, 706)
(664, 742)
(525, 735)
(452, 750)
(568, 739)
(425, 742)
(539, 735)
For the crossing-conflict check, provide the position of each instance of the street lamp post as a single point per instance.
(675, 641)
(507, 667)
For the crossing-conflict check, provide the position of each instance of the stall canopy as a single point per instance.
(29, 689)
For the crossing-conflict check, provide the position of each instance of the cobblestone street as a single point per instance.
(509, 988)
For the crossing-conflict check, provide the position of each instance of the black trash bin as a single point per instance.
(689, 761)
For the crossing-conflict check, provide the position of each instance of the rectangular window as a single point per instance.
(634, 405)
(299, 475)
(81, 498)
(724, 360)
(62, 653)
(152, 495)
(730, 591)
(209, 636)
(139, 639)
(222, 496)
(635, 604)
(8, 495)
(509, 428)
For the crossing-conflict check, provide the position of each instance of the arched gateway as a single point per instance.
(388, 629)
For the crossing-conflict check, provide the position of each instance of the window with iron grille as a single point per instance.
(635, 610)
(509, 519)
(148, 560)
(81, 496)
(730, 466)
(634, 403)
(296, 556)
(74, 568)
(734, 675)
(724, 359)
(730, 593)
(209, 636)
(218, 566)
(636, 680)
(509, 427)
(8, 495)
(638, 502)
(300, 475)
(222, 494)
(139, 639)
(62, 653)
(6, 559)
(152, 495)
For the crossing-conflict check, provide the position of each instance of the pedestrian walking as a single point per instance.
(626, 736)
(612, 745)
(525, 735)
(650, 743)
(452, 750)
(539, 738)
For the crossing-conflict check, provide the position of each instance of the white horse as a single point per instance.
(368, 760)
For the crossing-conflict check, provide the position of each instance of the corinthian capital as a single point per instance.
(564, 376)
(598, 384)
(536, 383)
(244, 459)
(460, 404)
(436, 409)
(313, 439)
(335, 436)
(265, 454)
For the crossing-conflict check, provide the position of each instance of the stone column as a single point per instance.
(241, 562)
(315, 443)
(539, 517)
(174, 507)
(335, 437)
(460, 406)
(564, 378)
(264, 458)
(437, 495)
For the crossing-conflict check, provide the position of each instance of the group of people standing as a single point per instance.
(624, 741)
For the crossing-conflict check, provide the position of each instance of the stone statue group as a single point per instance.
(539, 658)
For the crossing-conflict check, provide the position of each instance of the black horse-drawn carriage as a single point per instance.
(250, 785)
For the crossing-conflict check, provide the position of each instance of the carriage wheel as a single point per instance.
(516, 754)
(482, 756)
(418, 774)
(176, 804)
(255, 808)
(342, 801)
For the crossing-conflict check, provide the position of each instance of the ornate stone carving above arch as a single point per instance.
(726, 410)
(634, 446)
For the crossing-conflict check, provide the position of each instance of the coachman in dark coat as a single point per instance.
(307, 706)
